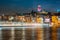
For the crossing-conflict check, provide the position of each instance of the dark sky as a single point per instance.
(28, 5)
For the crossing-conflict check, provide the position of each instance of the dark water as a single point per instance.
(58, 33)
(28, 33)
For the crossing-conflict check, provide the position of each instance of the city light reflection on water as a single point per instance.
(24, 33)
(42, 32)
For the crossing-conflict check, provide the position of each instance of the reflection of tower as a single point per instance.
(39, 8)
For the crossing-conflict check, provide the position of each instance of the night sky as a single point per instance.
(28, 5)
